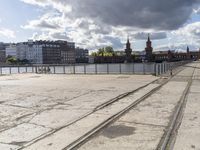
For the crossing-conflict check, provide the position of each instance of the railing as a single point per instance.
(132, 68)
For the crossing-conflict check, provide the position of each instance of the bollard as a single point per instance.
(171, 72)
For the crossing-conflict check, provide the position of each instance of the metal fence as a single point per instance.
(132, 68)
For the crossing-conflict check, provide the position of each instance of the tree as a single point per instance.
(24, 61)
(94, 54)
(105, 51)
(11, 60)
(101, 52)
(109, 49)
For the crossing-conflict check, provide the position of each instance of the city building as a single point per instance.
(2, 56)
(42, 52)
(11, 50)
(67, 52)
(21, 53)
(46, 52)
(82, 55)
(3, 45)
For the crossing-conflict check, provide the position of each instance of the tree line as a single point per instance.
(105, 51)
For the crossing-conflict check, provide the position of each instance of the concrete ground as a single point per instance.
(34, 107)
(40, 112)
(189, 133)
(144, 126)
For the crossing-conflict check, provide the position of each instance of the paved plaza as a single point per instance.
(33, 106)
(40, 112)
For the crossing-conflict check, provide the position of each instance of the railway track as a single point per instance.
(169, 137)
(76, 144)
(81, 140)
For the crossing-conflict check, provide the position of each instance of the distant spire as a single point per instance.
(128, 39)
(148, 37)
(188, 49)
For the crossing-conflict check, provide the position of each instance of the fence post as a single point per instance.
(42, 69)
(18, 69)
(10, 69)
(133, 68)
(95, 68)
(163, 67)
(84, 68)
(158, 69)
(120, 68)
(54, 69)
(107, 68)
(144, 71)
(26, 69)
(1, 71)
(64, 69)
(74, 69)
(155, 69)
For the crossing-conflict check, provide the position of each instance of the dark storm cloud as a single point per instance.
(149, 14)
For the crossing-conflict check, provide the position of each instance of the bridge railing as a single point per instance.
(130, 68)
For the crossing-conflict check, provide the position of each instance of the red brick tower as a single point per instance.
(128, 51)
(149, 50)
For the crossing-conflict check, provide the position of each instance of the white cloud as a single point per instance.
(196, 11)
(58, 5)
(92, 23)
(7, 33)
(190, 33)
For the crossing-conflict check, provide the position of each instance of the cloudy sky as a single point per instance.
(92, 24)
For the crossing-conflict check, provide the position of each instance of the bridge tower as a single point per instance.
(149, 50)
(128, 51)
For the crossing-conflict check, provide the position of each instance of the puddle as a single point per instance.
(35, 76)
(123, 77)
(118, 131)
